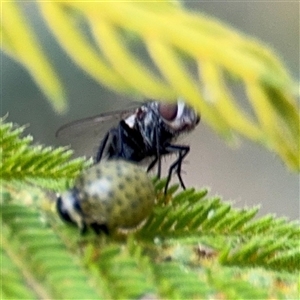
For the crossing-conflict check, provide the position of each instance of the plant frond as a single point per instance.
(21, 44)
(177, 282)
(279, 254)
(287, 260)
(43, 166)
(212, 280)
(123, 274)
(250, 242)
(268, 223)
(46, 265)
(13, 285)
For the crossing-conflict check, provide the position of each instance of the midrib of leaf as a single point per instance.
(38, 288)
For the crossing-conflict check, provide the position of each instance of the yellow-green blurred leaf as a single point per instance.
(118, 55)
(76, 44)
(20, 43)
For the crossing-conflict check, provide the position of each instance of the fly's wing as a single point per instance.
(84, 136)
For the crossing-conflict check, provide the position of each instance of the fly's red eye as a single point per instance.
(168, 111)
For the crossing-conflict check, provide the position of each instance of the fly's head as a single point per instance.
(177, 118)
(171, 120)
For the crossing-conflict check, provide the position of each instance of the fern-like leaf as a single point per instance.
(13, 285)
(123, 274)
(46, 265)
(42, 166)
(20, 42)
(249, 242)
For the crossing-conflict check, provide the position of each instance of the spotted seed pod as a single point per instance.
(110, 195)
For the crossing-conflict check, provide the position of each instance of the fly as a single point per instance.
(147, 132)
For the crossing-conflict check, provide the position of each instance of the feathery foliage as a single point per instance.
(47, 267)
(185, 54)
(19, 41)
(192, 245)
(43, 166)
(56, 262)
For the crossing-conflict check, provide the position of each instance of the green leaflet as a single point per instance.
(21, 44)
(13, 285)
(42, 166)
(46, 265)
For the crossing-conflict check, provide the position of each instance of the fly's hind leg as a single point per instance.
(153, 163)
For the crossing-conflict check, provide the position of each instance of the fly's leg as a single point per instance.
(158, 157)
(101, 148)
(120, 133)
(176, 166)
(153, 163)
(158, 166)
(98, 228)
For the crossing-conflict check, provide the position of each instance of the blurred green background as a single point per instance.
(248, 175)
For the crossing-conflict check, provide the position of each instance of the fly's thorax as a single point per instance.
(147, 120)
(131, 121)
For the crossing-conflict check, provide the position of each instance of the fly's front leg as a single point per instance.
(176, 166)
(101, 148)
(157, 158)
(120, 134)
